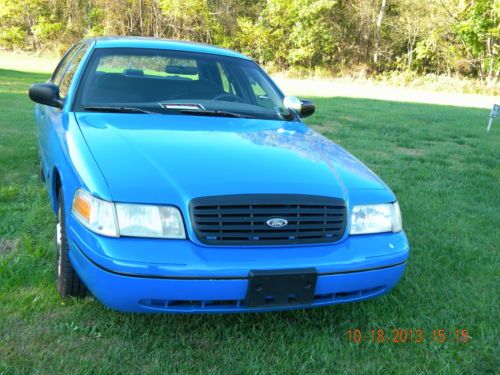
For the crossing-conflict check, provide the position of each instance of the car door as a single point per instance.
(52, 125)
(42, 124)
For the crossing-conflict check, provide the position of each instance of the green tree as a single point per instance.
(372, 36)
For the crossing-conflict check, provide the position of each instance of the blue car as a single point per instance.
(184, 181)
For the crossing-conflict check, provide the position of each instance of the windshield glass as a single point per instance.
(177, 82)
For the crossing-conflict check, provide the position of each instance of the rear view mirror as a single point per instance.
(303, 107)
(46, 94)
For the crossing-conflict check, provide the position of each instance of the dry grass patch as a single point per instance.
(8, 245)
(410, 151)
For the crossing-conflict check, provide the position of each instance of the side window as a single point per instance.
(63, 64)
(70, 72)
(260, 93)
(227, 85)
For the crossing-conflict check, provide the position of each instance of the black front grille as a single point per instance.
(242, 219)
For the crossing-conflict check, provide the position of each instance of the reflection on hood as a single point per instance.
(311, 145)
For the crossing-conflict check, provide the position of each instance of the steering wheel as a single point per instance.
(228, 97)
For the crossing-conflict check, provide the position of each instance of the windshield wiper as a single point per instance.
(207, 112)
(200, 112)
(117, 109)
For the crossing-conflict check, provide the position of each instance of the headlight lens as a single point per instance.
(376, 218)
(120, 219)
(139, 220)
(94, 213)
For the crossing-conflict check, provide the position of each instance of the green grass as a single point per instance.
(440, 162)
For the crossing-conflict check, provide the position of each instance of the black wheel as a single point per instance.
(68, 283)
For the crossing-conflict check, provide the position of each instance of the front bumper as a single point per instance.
(186, 258)
(155, 275)
(150, 294)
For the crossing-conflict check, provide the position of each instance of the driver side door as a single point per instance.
(50, 119)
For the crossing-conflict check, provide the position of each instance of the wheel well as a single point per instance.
(56, 183)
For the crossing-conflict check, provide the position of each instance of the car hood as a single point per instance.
(170, 159)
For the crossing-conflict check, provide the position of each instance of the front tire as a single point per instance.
(67, 280)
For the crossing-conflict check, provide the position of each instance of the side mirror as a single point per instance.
(303, 107)
(46, 94)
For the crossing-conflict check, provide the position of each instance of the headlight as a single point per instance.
(120, 219)
(376, 218)
(94, 213)
(139, 220)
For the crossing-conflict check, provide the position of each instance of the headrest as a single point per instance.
(182, 69)
(133, 72)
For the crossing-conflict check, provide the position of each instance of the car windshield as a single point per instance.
(136, 80)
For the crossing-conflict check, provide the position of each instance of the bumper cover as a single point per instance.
(150, 294)
(180, 276)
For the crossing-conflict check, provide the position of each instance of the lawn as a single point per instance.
(443, 167)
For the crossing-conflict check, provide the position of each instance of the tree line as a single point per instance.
(454, 37)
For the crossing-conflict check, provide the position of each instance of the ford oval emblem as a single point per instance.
(277, 222)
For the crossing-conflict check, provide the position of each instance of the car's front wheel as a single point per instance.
(68, 282)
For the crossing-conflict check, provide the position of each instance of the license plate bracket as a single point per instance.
(288, 287)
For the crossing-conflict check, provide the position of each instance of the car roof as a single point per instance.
(159, 43)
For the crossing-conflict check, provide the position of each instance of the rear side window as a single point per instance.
(70, 72)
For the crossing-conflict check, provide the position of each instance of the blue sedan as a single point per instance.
(183, 180)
